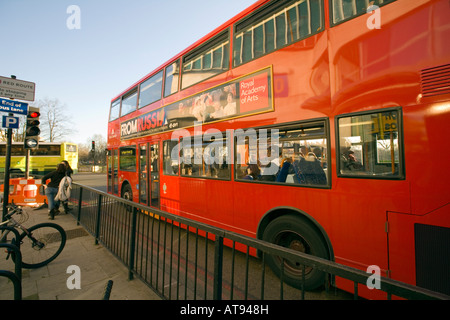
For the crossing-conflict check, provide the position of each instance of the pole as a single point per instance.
(27, 164)
(7, 166)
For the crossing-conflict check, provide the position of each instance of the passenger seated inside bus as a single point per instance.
(253, 172)
(308, 170)
(285, 169)
(349, 162)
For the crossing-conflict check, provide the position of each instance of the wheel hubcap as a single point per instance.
(295, 242)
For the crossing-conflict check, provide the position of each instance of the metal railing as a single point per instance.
(16, 276)
(181, 259)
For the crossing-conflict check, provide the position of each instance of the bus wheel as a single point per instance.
(127, 193)
(297, 234)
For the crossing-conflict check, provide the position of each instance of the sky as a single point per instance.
(86, 58)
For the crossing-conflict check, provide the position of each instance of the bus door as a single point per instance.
(115, 179)
(143, 173)
(149, 168)
(154, 175)
(113, 166)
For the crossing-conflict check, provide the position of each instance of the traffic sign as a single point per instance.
(17, 89)
(13, 106)
(9, 122)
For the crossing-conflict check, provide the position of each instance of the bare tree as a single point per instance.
(55, 121)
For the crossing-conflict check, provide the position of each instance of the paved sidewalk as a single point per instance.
(97, 266)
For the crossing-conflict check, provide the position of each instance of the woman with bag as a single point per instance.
(52, 188)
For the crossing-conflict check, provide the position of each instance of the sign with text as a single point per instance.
(17, 89)
(241, 97)
(13, 106)
(254, 93)
(10, 122)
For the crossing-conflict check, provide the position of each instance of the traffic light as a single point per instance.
(32, 130)
(93, 146)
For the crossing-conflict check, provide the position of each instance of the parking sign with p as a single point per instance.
(9, 122)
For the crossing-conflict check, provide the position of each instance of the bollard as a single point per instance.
(108, 289)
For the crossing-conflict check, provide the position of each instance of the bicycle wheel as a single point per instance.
(43, 245)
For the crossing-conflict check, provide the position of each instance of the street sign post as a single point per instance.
(17, 89)
(13, 89)
(7, 166)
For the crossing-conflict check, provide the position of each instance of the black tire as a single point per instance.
(51, 239)
(127, 193)
(298, 234)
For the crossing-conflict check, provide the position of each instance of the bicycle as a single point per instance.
(39, 244)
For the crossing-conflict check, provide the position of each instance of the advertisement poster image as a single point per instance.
(241, 97)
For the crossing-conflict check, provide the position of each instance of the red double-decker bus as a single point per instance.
(319, 125)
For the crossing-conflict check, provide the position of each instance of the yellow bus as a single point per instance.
(42, 160)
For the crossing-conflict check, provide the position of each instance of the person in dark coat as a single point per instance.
(284, 171)
(52, 188)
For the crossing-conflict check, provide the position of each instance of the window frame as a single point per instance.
(401, 149)
(206, 140)
(118, 105)
(46, 150)
(156, 74)
(177, 145)
(290, 126)
(125, 96)
(177, 61)
(205, 48)
(331, 13)
(258, 16)
(131, 147)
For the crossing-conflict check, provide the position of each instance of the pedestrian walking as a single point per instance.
(51, 191)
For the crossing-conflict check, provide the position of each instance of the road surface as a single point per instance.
(93, 180)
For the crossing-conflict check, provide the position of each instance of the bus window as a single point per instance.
(127, 159)
(16, 150)
(151, 90)
(293, 155)
(281, 23)
(347, 9)
(171, 79)
(369, 145)
(206, 61)
(115, 110)
(207, 158)
(129, 102)
(46, 150)
(170, 157)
